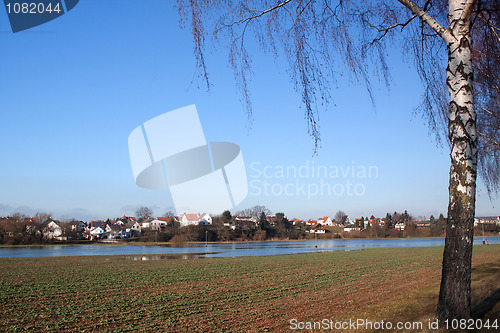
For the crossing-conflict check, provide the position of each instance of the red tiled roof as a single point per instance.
(192, 217)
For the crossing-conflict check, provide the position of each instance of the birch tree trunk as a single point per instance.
(455, 292)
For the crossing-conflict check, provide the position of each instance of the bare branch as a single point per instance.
(466, 14)
(425, 17)
(386, 30)
(262, 13)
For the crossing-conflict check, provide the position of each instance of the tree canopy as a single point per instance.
(323, 40)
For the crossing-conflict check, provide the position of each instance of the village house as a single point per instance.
(375, 221)
(146, 224)
(159, 224)
(348, 220)
(311, 222)
(400, 226)
(487, 220)
(295, 221)
(189, 219)
(53, 231)
(325, 221)
(78, 226)
(97, 233)
(317, 229)
(205, 219)
(96, 224)
(271, 220)
(421, 224)
(245, 222)
(132, 226)
(115, 231)
(351, 227)
(126, 219)
(120, 223)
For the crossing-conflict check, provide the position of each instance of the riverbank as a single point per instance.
(107, 293)
(223, 249)
(141, 243)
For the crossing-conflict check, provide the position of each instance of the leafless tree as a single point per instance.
(455, 46)
(18, 217)
(144, 213)
(170, 215)
(255, 211)
(340, 217)
(42, 218)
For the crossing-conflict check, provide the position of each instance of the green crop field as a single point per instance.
(246, 294)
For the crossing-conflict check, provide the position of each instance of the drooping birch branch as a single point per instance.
(264, 12)
(425, 17)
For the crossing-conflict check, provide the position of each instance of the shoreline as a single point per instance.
(184, 244)
(139, 243)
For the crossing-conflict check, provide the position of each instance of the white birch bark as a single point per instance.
(455, 291)
(454, 296)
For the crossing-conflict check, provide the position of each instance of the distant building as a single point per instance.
(325, 221)
(115, 231)
(272, 220)
(78, 226)
(487, 220)
(295, 221)
(205, 219)
(311, 222)
(126, 219)
(97, 224)
(53, 231)
(158, 225)
(376, 221)
(245, 222)
(189, 219)
(400, 226)
(133, 226)
(97, 233)
(317, 229)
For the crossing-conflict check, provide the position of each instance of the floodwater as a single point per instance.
(138, 252)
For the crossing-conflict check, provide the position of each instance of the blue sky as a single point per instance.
(74, 88)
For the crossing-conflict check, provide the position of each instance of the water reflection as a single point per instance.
(165, 251)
